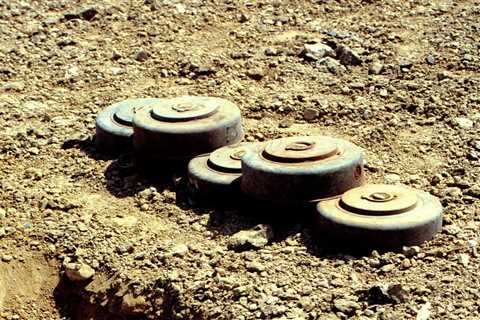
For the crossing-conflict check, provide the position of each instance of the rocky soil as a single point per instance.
(85, 236)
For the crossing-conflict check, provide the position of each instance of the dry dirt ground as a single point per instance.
(405, 88)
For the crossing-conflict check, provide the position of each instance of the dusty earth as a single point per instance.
(399, 78)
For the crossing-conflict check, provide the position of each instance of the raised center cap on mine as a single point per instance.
(379, 200)
(298, 149)
(184, 109)
(124, 115)
(379, 197)
(237, 155)
(228, 159)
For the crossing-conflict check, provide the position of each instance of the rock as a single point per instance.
(255, 238)
(310, 114)
(243, 18)
(347, 56)
(412, 251)
(141, 55)
(406, 264)
(405, 64)
(424, 312)
(453, 192)
(133, 306)
(254, 266)
(72, 73)
(7, 258)
(346, 306)
(375, 68)
(430, 59)
(392, 178)
(384, 293)
(388, 268)
(463, 259)
(79, 272)
(285, 123)
(255, 74)
(115, 71)
(3, 213)
(87, 13)
(476, 145)
(462, 123)
(179, 250)
(270, 52)
(241, 291)
(472, 245)
(13, 86)
(124, 248)
(332, 65)
(180, 8)
(317, 51)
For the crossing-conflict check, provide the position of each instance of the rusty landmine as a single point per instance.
(185, 127)
(216, 176)
(302, 169)
(114, 127)
(378, 216)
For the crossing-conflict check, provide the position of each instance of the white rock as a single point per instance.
(318, 51)
(392, 178)
(424, 312)
(79, 272)
(463, 259)
(179, 250)
(463, 123)
(72, 73)
(180, 8)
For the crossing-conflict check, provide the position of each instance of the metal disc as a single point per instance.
(228, 158)
(124, 115)
(299, 149)
(378, 200)
(184, 109)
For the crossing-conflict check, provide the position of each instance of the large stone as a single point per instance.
(310, 114)
(133, 306)
(346, 306)
(385, 293)
(317, 51)
(86, 13)
(179, 250)
(254, 238)
(462, 123)
(347, 56)
(79, 272)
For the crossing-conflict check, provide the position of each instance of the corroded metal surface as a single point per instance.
(379, 216)
(297, 149)
(296, 170)
(379, 200)
(114, 124)
(186, 126)
(217, 175)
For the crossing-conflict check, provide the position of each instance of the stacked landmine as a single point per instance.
(322, 175)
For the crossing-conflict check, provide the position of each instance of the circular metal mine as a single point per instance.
(114, 124)
(184, 127)
(184, 111)
(377, 200)
(298, 149)
(217, 175)
(298, 170)
(379, 216)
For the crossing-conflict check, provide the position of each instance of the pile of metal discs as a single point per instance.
(321, 175)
